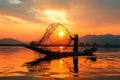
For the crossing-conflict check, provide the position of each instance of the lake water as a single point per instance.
(13, 67)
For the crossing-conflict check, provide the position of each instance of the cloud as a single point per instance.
(85, 13)
(56, 16)
(95, 13)
(30, 10)
(15, 1)
(19, 8)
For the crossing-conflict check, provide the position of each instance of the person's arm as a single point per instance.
(72, 37)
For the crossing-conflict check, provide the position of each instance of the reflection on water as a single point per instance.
(7, 49)
(108, 49)
(24, 62)
(57, 68)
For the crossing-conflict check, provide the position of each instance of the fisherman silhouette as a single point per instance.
(75, 38)
(75, 50)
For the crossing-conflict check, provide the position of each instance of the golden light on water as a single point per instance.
(61, 48)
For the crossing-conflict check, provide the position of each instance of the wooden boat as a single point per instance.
(52, 54)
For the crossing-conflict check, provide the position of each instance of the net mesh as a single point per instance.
(56, 34)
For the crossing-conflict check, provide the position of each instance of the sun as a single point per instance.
(61, 33)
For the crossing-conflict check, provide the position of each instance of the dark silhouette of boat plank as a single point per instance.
(57, 54)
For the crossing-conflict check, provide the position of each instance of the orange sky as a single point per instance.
(27, 20)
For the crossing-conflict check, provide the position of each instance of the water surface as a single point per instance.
(13, 59)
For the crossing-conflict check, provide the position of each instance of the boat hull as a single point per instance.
(57, 54)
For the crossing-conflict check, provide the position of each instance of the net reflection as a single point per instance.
(48, 66)
(41, 67)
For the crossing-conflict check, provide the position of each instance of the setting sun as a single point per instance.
(61, 33)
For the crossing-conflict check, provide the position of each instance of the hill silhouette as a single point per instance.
(101, 39)
(9, 41)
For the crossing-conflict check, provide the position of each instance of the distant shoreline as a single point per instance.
(113, 46)
(11, 44)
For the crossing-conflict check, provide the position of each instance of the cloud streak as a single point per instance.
(19, 8)
(85, 13)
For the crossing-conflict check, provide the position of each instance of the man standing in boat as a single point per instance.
(75, 50)
(75, 46)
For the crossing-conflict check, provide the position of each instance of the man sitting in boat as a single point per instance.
(89, 51)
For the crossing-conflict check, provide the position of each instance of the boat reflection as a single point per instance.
(44, 64)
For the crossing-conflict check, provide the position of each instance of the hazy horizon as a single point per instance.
(79, 36)
(91, 39)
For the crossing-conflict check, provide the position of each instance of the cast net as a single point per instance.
(56, 35)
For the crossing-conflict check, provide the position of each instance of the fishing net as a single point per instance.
(56, 35)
